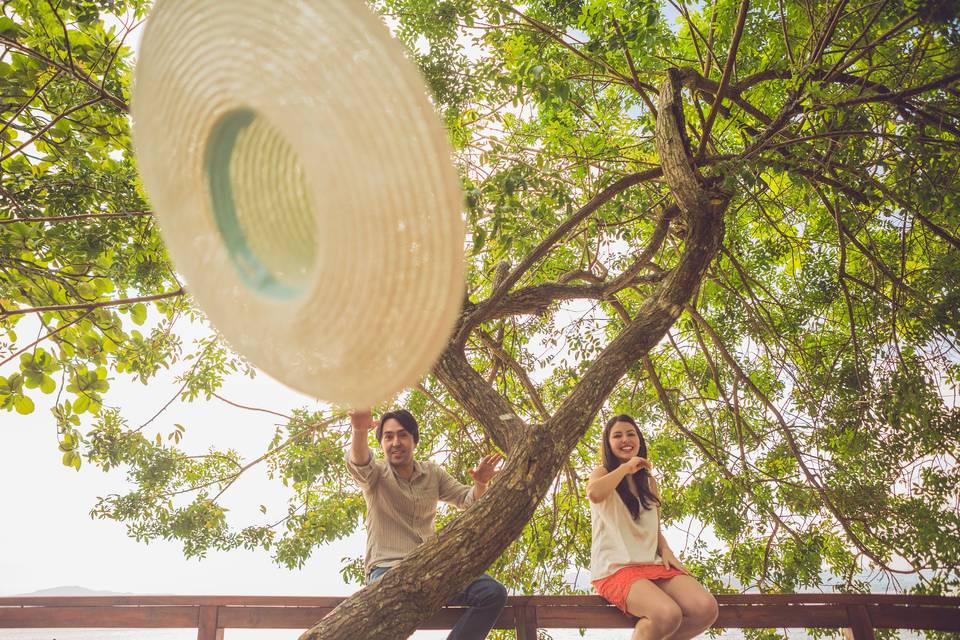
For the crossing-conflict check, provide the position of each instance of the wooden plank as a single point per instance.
(271, 617)
(731, 616)
(507, 619)
(96, 601)
(860, 626)
(173, 617)
(608, 617)
(526, 615)
(769, 599)
(779, 616)
(244, 617)
(447, 617)
(901, 617)
(566, 601)
(836, 598)
(324, 601)
(605, 617)
(207, 623)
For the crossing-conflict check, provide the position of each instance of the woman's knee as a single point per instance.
(665, 618)
(704, 610)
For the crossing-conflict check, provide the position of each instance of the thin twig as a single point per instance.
(725, 78)
(92, 305)
(79, 216)
(46, 337)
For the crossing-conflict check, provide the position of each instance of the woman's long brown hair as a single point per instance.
(642, 477)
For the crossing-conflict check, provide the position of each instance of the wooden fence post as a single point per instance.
(526, 621)
(207, 625)
(861, 627)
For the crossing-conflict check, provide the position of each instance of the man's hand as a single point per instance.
(362, 420)
(486, 469)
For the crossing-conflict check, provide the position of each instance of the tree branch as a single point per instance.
(633, 71)
(257, 409)
(46, 337)
(537, 299)
(643, 259)
(550, 33)
(27, 102)
(547, 243)
(894, 96)
(501, 354)
(725, 78)
(486, 406)
(788, 436)
(6, 313)
(48, 126)
(79, 216)
(104, 95)
(698, 442)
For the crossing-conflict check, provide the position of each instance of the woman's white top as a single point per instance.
(618, 539)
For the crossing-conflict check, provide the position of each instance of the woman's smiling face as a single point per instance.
(624, 441)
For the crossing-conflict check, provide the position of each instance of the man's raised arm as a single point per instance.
(361, 422)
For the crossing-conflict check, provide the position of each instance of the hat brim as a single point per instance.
(304, 187)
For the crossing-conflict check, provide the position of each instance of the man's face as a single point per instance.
(397, 444)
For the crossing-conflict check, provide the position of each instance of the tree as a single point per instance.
(736, 222)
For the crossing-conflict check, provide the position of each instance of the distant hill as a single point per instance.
(74, 591)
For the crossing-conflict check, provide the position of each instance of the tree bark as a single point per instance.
(427, 578)
(478, 398)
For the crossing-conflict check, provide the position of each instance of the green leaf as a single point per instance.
(479, 239)
(48, 385)
(8, 28)
(71, 459)
(81, 404)
(23, 404)
(138, 313)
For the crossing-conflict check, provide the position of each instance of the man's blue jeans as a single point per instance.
(485, 597)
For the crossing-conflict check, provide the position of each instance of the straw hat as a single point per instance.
(304, 187)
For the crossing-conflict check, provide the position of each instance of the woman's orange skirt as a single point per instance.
(614, 588)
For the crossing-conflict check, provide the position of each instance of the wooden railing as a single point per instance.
(211, 615)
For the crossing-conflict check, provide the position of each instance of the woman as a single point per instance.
(632, 565)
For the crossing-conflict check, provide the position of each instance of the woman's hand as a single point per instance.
(670, 561)
(636, 463)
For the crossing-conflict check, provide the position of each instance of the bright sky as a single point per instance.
(62, 545)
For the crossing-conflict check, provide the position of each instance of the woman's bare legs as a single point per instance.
(659, 615)
(698, 606)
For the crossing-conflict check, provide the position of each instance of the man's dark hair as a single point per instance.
(406, 420)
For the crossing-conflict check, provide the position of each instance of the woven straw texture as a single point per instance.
(304, 188)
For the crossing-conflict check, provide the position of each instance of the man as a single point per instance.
(402, 495)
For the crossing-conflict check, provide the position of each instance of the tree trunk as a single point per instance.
(438, 569)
